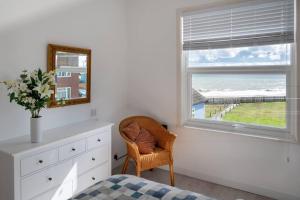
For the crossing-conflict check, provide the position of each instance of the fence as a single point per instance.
(238, 100)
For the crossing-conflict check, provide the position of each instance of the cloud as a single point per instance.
(258, 55)
(275, 57)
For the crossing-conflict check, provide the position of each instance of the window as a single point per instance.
(83, 77)
(278, 54)
(237, 71)
(62, 74)
(63, 93)
(258, 99)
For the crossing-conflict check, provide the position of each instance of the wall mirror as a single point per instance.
(72, 66)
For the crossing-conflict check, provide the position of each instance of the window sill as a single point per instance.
(284, 137)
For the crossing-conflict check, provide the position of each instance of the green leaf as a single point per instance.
(40, 74)
(32, 81)
(23, 76)
(45, 81)
(11, 97)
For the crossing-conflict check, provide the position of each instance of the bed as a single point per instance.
(128, 187)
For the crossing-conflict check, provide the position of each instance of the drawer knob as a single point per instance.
(73, 149)
(41, 161)
(99, 140)
(50, 179)
(93, 159)
(93, 178)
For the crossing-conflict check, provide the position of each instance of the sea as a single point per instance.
(239, 85)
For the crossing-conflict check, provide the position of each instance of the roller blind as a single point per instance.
(248, 24)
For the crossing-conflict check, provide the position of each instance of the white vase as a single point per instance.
(36, 131)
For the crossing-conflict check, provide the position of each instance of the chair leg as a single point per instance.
(125, 166)
(138, 173)
(138, 170)
(172, 178)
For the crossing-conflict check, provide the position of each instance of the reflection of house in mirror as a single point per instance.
(71, 75)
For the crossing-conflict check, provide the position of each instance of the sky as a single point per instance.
(243, 56)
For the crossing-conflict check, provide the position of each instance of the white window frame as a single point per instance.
(65, 89)
(60, 75)
(289, 134)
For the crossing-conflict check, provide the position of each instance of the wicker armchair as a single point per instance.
(163, 153)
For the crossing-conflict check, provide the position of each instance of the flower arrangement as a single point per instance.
(32, 90)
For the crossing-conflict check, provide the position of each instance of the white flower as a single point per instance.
(15, 88)
(23, 87)
(33, 75)
(19, 91)
(29, 100)
(43, 90)
(27, 78)
(52, 80)
(38, 88)
(46, 92)
(51, 77)
(10, 83)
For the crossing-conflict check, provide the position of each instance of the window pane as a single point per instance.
(243, 56)
(258, 99)
(63, 93)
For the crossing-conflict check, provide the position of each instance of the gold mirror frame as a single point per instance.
(51, 66)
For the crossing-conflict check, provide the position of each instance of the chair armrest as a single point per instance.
(132, 148)
(133, 151)
(167, 140)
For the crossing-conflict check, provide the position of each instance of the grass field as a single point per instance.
(267, 113)
(212, 109)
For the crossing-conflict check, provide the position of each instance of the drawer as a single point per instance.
(97, 140)
(91, 159)
(45, 180)
(72, 149)
(38, 161)
(90, 178)
(65, 191)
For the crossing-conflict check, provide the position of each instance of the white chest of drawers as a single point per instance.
(69, 160)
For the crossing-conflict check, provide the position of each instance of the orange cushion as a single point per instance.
(145, 142)
(132, 131)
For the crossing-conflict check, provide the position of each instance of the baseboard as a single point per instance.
(241, 186)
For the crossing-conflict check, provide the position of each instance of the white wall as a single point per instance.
(98, 25)
(252, 164)
(150, 87)
(14, 12)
